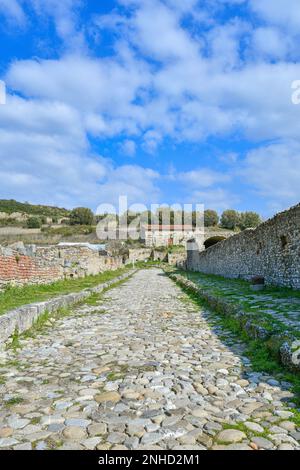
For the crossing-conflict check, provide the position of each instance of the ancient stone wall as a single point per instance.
(20, 268)
(139, 254)
(21, 264)
(177, 259)
(272, 251)
(78, 261)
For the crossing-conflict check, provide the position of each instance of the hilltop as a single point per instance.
(10, 206)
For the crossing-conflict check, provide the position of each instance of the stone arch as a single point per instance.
(213, 241)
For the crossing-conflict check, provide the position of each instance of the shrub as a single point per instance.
(34, 222)
(81, 216)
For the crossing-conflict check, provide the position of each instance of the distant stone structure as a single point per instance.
(139, 254)
(272, 250)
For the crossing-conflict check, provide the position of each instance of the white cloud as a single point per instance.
(66, 17)
(12, 11)
(129, 148)
(274, 172)
(162, 80)
(201, 178)
(217, 198)
(271, 42)
(279, 12)
(53, 163)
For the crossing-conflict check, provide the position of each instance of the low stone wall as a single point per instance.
(272, 251)
(79, 261)
(177, 259)
(23, 318)
(284, 345)
(159, 255)
(30, 264)
(21, 268)
(139, 254)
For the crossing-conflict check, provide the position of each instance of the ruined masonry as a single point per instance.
(272, 250)
(21, 264)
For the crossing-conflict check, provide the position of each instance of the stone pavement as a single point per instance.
(271, 303)
(141, 370)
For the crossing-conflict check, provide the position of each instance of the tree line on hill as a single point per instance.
(9, 206)
(230, 219)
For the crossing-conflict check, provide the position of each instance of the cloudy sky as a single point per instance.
(185, 101)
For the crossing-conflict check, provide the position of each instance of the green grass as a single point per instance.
(238, 293)
(14, 297)
(218, 283)
(14, 401)
(296, 417)
(69, 230)
(42, 321)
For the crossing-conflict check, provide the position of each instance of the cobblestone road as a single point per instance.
(142, 369)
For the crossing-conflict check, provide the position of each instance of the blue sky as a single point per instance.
(165, 101)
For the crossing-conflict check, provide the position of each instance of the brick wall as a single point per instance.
(43, 265)
(20, 269)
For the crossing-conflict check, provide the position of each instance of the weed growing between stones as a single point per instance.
(14, 401)
(47, 319)
(263, 359)
(13, 297)
(15, 341)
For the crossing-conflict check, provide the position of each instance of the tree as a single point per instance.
(34, 222)
(230, 219)
(211, 218)
(249, 220)
(81, 216)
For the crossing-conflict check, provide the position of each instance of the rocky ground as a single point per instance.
(142, 369)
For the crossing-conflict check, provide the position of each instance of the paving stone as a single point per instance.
(97, 429)
(179, 380)
(77, 422)
(262, 443)
(91, 443)
(8, 442)
(254, 427)
(25, 446)
(74, 432)
(116, 438)
(6, 432)
(231, 435)
(108, 397)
